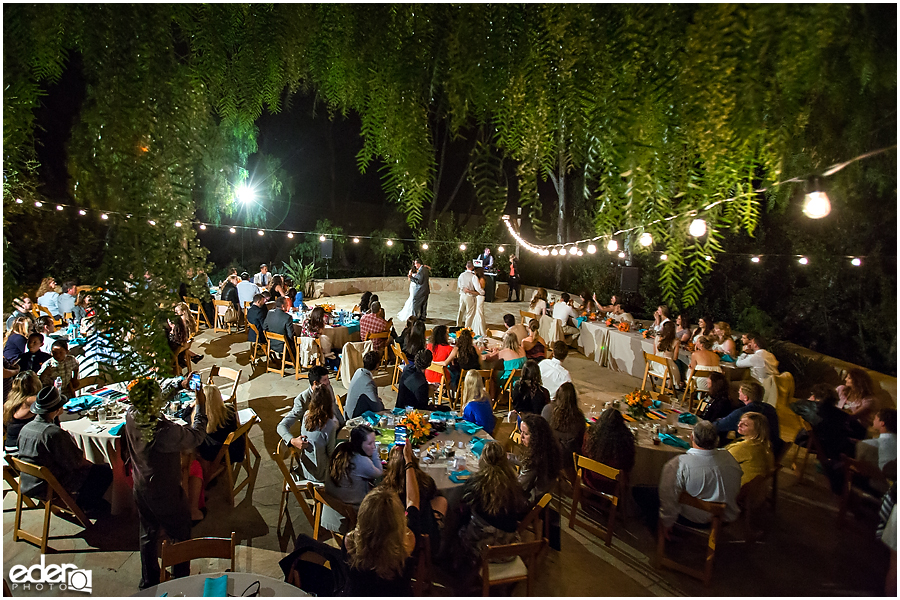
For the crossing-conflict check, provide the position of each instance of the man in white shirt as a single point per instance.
(762, 363)
(263, 278)
(553, 374)
(703, 472)
(246, 289)
(565, 314)
(65, 302)
(659, 317)
(619, 314)
(466, 299)
(883, 449)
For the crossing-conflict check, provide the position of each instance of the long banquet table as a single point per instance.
(618, 350)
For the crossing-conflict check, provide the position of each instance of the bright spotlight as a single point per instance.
(697, 228)
(244, 193)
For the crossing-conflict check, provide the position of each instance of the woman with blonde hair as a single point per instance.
(724, 344)
(476, 403)
(16, 342)
(512, 354)
(222, 420)
(703, 359)
(384, 538)
(48, 296)
(17, 408)
(753, 451)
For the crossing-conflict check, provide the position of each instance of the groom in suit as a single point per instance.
(420, 297)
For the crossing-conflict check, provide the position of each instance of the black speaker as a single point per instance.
(327, 248)
(629, 278)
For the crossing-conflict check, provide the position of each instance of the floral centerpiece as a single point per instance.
(418, 429)
(647, 334)
(327, 307)
(624, 326)
(638, 402)
(610, 322)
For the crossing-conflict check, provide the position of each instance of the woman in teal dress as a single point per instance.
(513, 356)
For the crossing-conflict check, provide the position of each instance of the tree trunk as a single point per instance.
(559, 184)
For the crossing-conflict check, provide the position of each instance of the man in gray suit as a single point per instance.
(420, 297)
(279, 321)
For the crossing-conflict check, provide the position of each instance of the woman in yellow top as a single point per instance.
(753, 451)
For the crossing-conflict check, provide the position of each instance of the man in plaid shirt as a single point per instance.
(62, 365)
(373, 322)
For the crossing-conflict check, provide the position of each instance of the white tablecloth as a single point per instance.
(103, 448)
(593, 340)
(625, 351)
(192, 586)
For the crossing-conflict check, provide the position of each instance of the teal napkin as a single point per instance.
(671, 440)
(656, 404)
(441, 415)
(726, 358)
(215, 587)
(579, 321)
(83, 402)
(687, 418)
(468, 428)
(478, 445)
(399, 411)
(455, 476)
(370, 417)
(117, 429)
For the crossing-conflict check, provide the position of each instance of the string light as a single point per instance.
(424, 246)
(592, 249)
(202, 227)
(290, 235)
(621, 255)
(856, 262)
(646, 239)
(554, 252)
(573, 250)
(177, 223)
(232, 229)
(152, 222)
(59, 207)
(260, 232)
(462, 247)
(390, 242)
(803, 260)
(663, 257)
(38, 204)
(755, 259)
(697, 228)
(19, 201)
(321, 238)
(501, 249)
(82, 212)
(816, 205)
(612, 245)
(104, 216)
(356, 240)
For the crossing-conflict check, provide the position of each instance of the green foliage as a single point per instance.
(310, 248)
(301, 274)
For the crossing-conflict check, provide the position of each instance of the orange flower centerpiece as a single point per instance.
(624, 326)
(418, 429)
(647, 334)
(610, 322)
(327, 307)
(638, 402)
(593, 316)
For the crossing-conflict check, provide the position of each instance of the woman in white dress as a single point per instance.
(478, 326)
(407, 310)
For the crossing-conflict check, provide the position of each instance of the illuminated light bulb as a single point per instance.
(82, 212)
(260, 232)
(803, 260)
(856, 262)
(177, 223)
(612, 245)
(355, 240)
(19, 201)
(59, 207)
(424, 246)
(621, 255)
(290, 235)
(664, 257)
(697, 228)
(500, 249)
(390, 242)
(244, 194)
(462, 247)
(104, 216)
(554, 252)
(232, 229)
(321, 238)
(38, 204)
(545, 252)
(202, 226)
(152, 222)
(816, 205)
(592, 249)
(646, 239)
(755, 259)
(573, 250)
(580, 253)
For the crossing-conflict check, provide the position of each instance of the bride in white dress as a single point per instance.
(407, 310)
(478, 326)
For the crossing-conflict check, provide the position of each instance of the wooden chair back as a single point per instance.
(487, 375)
(443, 389)
(182, 351)
(717, 510)
(323, 499)
(231, 374)
(523, 567)
(399, 364)
(197, 312)
(580, 488)
(428, 335)
(188, 550)
(11, 477)
(857, 468)
(57, 500)
(285, 456)
(341, 402)
(381, 335)
(221, 307)
(751, 495)
(691, 388)
(287, 355)
(526, 315)
(508, 388)
(259, 342)
(668, 380)
(812, 447)
(222, 462)
(43, 309)
(537, 514)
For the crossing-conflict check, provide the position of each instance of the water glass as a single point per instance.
(101, 414)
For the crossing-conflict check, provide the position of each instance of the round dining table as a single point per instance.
(193, 585)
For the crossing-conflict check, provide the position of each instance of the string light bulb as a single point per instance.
(803, 260)
(663, 257)
(580, 252)
(19, 201)
(697, 228)
(573, 250)
(260, 232)
(501, 249)
(105, 216)
(290, 235)
(462, 247)
(177, 223)
(82, 212)
(38, 204)
(554, 252)
(152, 222)
(544, 252)
(355, 240)
(424, 246)
(321, 238)
(755, 259)
(592, 249)
(856, 262)
(202, 227)
(390, 242)
(232, 229)
(646, 239)
(621, 255)
(612, 245)
(816, 205)
(59, 207)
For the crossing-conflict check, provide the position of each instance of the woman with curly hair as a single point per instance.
(529, 394)
(17, 408)
(857, 396)
(541, 462)
(378, 548)
(495, 500)
(723, 343)
(608, 441)
(354, 467)
(435, 505)
(319, 435)
(464, 357)
(566, 419)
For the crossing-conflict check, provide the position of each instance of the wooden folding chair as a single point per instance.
(246, 308)
(717, 510)
(579, 488)
(292, 485)
(298, 363)
(522, 568)
(43, 309)
(536, 522)
(323, 499)
(507, 389)
(286, 353)
(382, 335)
(234, 376)
(443, 388)
(222, 462)
(487, 376)
(182, 351)
(68, 317)
(341, 402)
(400, 363)
(428, 334)
(666, 375)
(11, 477)
(58, 501)
(751, 495)
(854, 468)
(197, 312)
(221, 308)
(526, 315)
(690, 388)
(258, 344)
(188, 550)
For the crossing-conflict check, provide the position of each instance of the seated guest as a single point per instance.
(541, 462)
(22, 307)
(566, 420)
(723, 344)
(373, 298)
(263, 279)
(703, 356)
(278, 288)
(834, 429)
(65, 302)
(753, 451)
(535, 346)
(279, 321)
(230, 293)
(318, 378)
(192, 484)
(608, 441)
(565, 314)
(606, 308)
(858, 396)
(463, 357)
(319, 436)
(372, 323)
(660, 317)
(184, 314)
(529, 395)
(364, 302)
(44, 443)
(401, 339)
(47, 296)
(414, 341)
(883, 449)
(496, 503)
(512, 355)
(704, 473)
(553, 374)
(750, 395)
(704, 327)
(246, 289)
(355, 465)
(178, 336)
(35, 358)
(619, 314)
(440, 352)
(538, 304)
(17, 408)
(476, 403)
(588, 305)
(62, 365)
(16, 342)
(413, 387)
(666, 345)
(256, 316)
(362, 394)
(314, 326)
(718, 404)
(761, 362)
(45, 326)
(378, 547)
(516, 328)
(429, 496)
(222, 421)
(683, 328)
